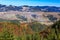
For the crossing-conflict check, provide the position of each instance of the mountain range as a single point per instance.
(27, 8)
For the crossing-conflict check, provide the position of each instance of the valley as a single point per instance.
(46, 18)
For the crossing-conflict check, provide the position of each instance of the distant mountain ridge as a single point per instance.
(27, 8)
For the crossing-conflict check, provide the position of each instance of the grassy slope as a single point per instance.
(10, 30)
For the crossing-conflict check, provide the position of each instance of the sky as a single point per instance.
(31, 2)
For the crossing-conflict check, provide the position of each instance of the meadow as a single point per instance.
(13, 30)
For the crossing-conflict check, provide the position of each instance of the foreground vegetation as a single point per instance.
(13, 30)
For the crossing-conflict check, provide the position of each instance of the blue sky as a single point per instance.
(31, 2)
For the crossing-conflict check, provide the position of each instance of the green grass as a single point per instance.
(6, 35)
